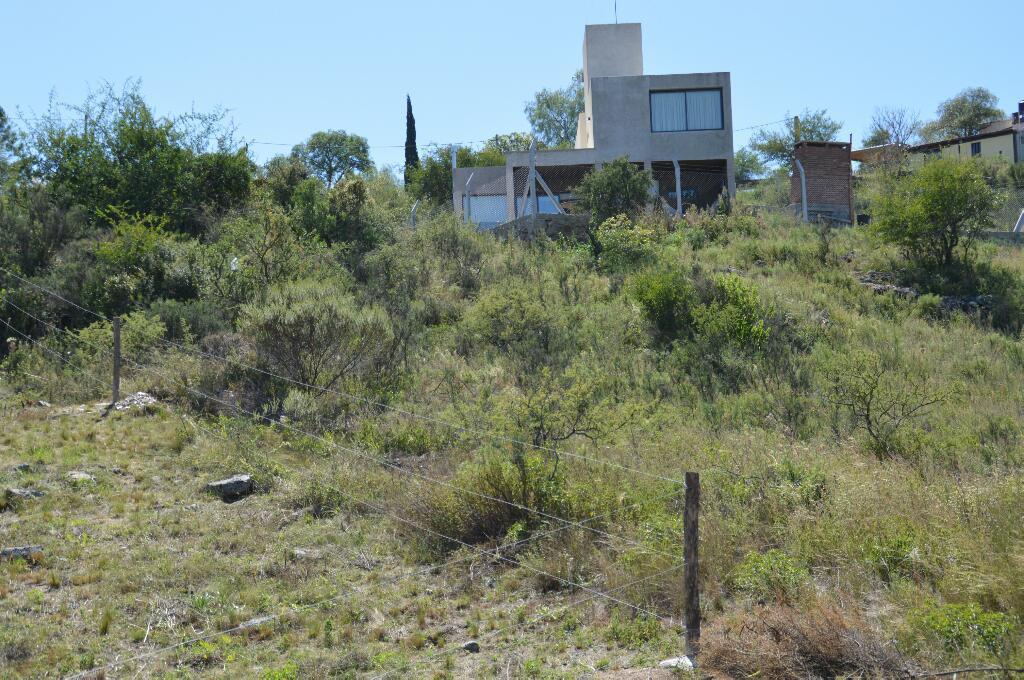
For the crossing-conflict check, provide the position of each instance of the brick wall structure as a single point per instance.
(829, 179)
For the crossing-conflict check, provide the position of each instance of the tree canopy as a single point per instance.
(554, 114)
(747, 166)
(776, 146)
(513, 141)
(965, 114)
(433, 179)
(114, 151)
(332, 154)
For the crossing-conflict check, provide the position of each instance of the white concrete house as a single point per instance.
(678, 126)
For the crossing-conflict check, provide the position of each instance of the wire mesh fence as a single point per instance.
(1009, 214)
(543, 184)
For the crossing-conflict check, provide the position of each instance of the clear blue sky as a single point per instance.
(287, 69)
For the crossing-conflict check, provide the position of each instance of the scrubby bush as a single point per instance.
(935, 214)
(704, 227)
(140, 334)
(896, 553)
(190, 320)
(821, 640)
(492, 495)
(625, 244)
(315, 333)
(769, 576)
(517, 323)
(666, 298)
(967, 632)
(618, 188)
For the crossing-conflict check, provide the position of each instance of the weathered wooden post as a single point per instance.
(691, 562)
(116, 324)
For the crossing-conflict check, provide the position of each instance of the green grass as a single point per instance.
(803, 515)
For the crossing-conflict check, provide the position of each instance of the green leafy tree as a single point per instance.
(936, 212)
(332, 154)
(618, 188)
(282, 175)
(114, 151)
(776, 146)
(965, 114)
(11, 150)
(433, 179)
(512, 142)
(554, 114)
(412, 156)
(252, 252)
(747, 165)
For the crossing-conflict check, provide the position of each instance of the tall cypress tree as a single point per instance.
(412, 157)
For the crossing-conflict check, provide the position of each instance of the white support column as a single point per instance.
(533, 177)
(510, 193)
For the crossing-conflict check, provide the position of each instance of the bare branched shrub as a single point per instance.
(882, 395)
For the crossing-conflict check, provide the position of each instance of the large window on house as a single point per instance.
(686, 110)
(975, 148)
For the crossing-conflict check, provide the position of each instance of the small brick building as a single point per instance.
(829, 180)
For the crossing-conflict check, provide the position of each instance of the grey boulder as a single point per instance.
(26, 552)
(233, 488)
(22, 494)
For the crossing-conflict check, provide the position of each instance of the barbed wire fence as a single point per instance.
(499, 553)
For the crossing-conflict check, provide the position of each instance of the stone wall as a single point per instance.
(553, 226)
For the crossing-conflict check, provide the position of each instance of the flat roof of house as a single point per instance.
(840, 145)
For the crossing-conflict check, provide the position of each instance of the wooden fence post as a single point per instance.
(690, 559)
(116, 324)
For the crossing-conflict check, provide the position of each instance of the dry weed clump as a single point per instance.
(817, 641)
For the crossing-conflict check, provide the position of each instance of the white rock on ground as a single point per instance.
(137, 400)
(680, 662)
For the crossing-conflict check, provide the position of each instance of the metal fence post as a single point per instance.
(467, 209)
(532, 184)
(116, 325)
(453, 150)
(803, 189)
(691, 562)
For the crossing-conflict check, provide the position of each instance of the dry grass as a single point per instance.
(818, 640)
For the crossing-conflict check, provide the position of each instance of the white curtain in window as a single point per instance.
(668, 111)
(704, 110)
